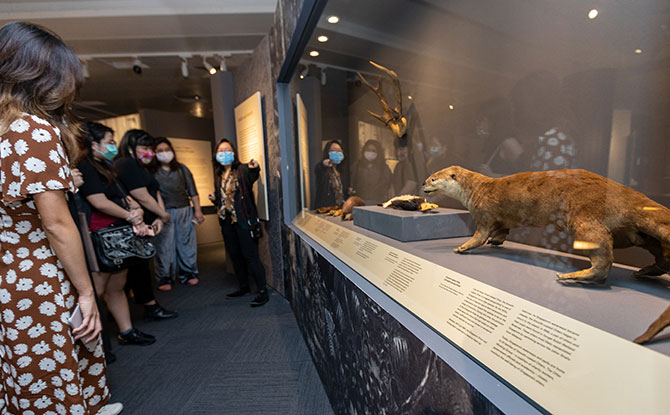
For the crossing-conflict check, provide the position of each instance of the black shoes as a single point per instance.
(260, 299)
(136, 337)
(157, 312)
(238, 293)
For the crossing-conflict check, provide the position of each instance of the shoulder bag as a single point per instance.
(117, 247)
(255, 230)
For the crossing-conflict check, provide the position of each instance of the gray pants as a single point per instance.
(176, 247)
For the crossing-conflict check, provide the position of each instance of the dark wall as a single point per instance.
(176, 125)
(368, 362)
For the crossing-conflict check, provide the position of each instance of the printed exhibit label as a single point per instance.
(563, 365)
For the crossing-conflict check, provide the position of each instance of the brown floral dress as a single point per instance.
(43, 370)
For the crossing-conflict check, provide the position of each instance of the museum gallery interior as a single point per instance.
(462, 205)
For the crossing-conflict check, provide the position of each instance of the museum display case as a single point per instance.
(543, 258)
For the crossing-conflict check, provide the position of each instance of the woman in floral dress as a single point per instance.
(46, 368)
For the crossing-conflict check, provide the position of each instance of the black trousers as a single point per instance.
(243, 251)
(139, 280)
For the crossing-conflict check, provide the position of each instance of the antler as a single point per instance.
(392, 116)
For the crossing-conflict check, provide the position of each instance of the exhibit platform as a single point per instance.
(406, 225)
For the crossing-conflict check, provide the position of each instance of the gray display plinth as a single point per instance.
(406, 226)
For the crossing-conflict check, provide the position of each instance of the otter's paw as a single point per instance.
(576, 278)
(460, 250)
(649, 271)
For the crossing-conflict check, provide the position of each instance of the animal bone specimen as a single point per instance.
(348, 208)
(393, 117)
(409, 202)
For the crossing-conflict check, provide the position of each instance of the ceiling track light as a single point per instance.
(222, 64)
(304, 72)
(137, 66)
(208, 66)
(184, 66)
(323, 77)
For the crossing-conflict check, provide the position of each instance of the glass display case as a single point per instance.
(387, 93)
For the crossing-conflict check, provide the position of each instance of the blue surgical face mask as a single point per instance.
(225, 158)
(336, 156)
(111, 152)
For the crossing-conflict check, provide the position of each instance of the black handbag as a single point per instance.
(118, 247)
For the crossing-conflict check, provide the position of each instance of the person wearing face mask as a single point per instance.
(135, 155)
(105, 196)
(331, 178)
(176, 245)
(233, 196)
(372, 178)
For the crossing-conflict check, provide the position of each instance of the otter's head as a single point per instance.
(445, 181)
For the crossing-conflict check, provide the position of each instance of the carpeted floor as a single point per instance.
(219, 356)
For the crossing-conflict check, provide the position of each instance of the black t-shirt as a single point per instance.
(133, 176)
(95, 183)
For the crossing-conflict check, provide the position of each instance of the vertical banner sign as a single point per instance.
(251, 145)
(197, 156)
(303, 153)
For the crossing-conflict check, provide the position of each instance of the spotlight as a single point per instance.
(210, 68)
(451, 107)
(593, 13)
(137, 66)
(323, 76)
(322, 38)
(304, 72)
(333, 19)
(638, 51)
(84, 69)
(222, 64)
(314, 53)
(184, 67)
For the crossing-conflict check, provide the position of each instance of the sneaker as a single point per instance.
(111, 409)
(260, 299)
(136, 337)
(157, 312)
(189, 279)
(165, 287)
(238, 293)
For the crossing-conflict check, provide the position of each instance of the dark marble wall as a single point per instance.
(368, 362)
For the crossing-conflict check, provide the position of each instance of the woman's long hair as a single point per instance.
(218, 168)
(155, 164)
(133, 138)
(39, 75)
(94, 133)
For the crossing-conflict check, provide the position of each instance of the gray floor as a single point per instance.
(219, 357)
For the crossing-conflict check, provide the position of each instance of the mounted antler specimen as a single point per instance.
(393, 117)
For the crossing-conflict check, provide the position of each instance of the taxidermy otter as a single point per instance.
(598, 212)
(409, 202)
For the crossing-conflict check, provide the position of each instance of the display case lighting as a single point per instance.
(322, 39)
(314, 53)
(638, 51)
(333, 19)
(451, 107)
(593, 13)
(409, 97)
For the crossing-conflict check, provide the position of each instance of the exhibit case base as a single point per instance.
(406, 226)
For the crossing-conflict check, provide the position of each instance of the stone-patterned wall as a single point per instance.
(368, 362)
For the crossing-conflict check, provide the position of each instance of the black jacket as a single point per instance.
(245, 204)
(325, 193)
